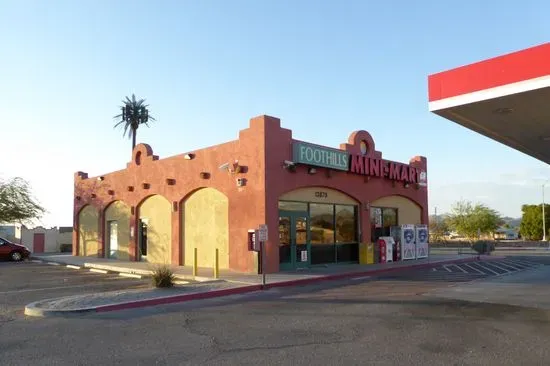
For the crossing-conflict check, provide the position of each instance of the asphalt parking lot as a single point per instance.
(24, 282)
(386, 320)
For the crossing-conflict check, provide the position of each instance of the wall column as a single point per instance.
(101, 233)
(176, 252)
(134, 232)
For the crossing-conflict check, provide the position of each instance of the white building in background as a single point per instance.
(39, 239)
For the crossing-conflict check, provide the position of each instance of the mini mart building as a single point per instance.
(319, 203)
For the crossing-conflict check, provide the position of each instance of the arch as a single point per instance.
(117, 228)
(205, 226)
(88, 231)
(408, 210)
(312, 194)
(155, 229)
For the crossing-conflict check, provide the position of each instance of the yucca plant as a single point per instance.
(163, 277)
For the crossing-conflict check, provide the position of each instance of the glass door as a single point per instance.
(113, 238)
(294, 244)
(142, 239)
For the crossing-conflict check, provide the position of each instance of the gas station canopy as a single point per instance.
(506, 98)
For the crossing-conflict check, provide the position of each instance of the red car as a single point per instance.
(12, 251)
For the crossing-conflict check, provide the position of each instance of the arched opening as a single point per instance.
(117, 230)
(154, 232)
(317, 225)
(205, 218)
(389, 211)
(88, 231)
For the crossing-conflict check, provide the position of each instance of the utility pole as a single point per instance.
(543, 218)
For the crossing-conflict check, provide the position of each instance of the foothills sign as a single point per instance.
(314, 155)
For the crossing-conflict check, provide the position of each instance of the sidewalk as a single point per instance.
(230, 283)
(206, 274)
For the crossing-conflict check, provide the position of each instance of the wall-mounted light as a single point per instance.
(77, 198)
(130, 188)
(93, 195)
(204, 175)
(170, 181)
(189, 156)
(111, 192)
(145, 185)
(241, 182)
(406, 185)
(289, 165)
(312, 170)
(101, 178)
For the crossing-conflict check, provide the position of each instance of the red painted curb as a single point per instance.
(253, 288)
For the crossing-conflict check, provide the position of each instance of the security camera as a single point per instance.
(224, 166)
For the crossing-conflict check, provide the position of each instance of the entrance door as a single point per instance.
(113, 239)
(38, 243)
(294, 245)
(143, 239)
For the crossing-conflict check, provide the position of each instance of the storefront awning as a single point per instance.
(506, 98)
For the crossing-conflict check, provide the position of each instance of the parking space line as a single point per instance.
(475, 269)
(494, 265)
(523, 262)
(98, 270)
(486, 268)
(447, 268)
(36, 261)
(131, 275)
(53, 263)
(459, 267)
(73, 267)
(515, 267)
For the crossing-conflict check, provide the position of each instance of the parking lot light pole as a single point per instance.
(543, 216)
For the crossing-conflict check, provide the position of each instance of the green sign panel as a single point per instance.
(304, 153)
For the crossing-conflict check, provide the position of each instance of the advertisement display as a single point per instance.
(405, 236)
(422, 249)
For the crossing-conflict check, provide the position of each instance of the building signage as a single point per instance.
(304, 153)
(381, 168)
(314, 155)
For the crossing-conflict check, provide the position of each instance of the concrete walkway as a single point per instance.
(206, 274)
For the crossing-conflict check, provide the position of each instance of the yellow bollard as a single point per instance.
(195, 261)
(216, 265)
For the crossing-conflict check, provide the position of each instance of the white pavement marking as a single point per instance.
(181, 282)
(434, 269)
(98, 270)
(514, 267)
(360, 278)
(488, 269)
(53, 264)
(42, 289)
(36, 261)
(523, 262)
(73, 267)
(129, 275)
(494, 265)
(475, 269)
(447, 268)
(462, 269)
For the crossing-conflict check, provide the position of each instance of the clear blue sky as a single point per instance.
(325, 68)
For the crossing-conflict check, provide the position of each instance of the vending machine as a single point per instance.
(405, 236)
(422, 247)
(386, 243)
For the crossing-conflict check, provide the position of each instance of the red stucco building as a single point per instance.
(319, 202)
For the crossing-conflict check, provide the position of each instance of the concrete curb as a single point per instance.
(33, 310)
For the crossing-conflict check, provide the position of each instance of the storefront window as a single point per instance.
(346, 225)
(382, 219)
(322, 223)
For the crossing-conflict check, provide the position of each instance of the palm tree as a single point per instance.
(134, 113)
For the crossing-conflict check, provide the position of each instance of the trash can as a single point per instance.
(366, 253)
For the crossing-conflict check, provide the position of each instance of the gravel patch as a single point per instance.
(79, 302)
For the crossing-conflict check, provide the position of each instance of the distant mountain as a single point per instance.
(513, 222)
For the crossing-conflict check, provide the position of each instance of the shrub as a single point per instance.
(163, 276)
(483, 247)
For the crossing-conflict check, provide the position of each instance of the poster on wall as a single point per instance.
(377, 213)
(408, 244)
(422, 249)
